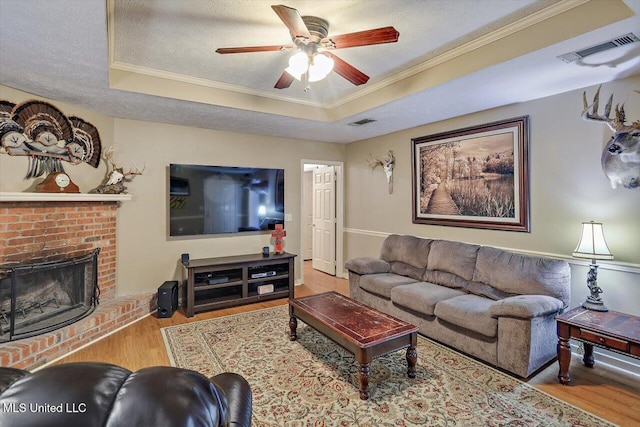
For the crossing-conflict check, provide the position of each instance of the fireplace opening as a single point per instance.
(40, 297)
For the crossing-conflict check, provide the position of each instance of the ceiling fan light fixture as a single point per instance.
(321, 65)
(310, 35)
(298, 65)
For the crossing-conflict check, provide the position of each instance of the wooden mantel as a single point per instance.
(62, 197)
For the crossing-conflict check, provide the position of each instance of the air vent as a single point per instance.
(611, 44)
(361, 122)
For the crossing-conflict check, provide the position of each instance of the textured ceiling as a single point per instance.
(172, 37)
(155, 60)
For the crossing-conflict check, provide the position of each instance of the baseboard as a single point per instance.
(611, 360)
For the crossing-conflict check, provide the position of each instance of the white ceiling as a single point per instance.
(155, 60)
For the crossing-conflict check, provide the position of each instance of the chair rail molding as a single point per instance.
(625, 267)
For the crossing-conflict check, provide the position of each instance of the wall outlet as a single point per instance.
(288, 217)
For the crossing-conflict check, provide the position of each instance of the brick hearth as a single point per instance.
(34, 231)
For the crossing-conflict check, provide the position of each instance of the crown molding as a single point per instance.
(152, 72)
(528, 21)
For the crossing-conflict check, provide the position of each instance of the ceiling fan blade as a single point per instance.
(292, 19)
(248, 49)
(363, 38)
(284, 81)
(347, 70)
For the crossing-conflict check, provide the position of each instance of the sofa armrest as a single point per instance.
(526, 306)
(367, 265)
(239, 398)
(10, 375)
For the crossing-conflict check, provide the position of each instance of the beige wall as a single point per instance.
(567, 186)
(146, 255)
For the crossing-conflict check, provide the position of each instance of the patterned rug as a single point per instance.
(314, 382)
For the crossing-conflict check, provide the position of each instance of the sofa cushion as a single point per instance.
(407, 249)
(523, 274)
(481, 289)
(367, 265)
(526, 306)
(469, 312)
(445, 279)
(381, 284)
(452, 257)
(403, 269)
(422, 297)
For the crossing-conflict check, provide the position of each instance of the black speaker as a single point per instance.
(167, 298)
(185, 259)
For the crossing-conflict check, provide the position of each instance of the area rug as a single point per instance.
(314, 382)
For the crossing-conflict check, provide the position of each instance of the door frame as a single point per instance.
(339, 210)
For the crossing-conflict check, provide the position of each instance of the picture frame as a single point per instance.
(475, 177)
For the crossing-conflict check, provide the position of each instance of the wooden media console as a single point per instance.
(214, 283)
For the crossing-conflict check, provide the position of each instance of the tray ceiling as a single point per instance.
(155, 60)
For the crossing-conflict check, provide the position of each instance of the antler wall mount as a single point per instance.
(116, 176)
(313, 61)
(388, 163)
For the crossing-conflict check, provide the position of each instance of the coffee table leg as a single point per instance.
(564, 359)
(363, 374)
(412, 359)
(588, 358)
(293, 325)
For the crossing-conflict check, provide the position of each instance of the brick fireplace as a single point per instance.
(37, 227)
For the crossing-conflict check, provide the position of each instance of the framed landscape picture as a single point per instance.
(473, 177)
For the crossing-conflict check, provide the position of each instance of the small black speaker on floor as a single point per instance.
(167, 298)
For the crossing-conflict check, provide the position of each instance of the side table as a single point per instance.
(618, 332)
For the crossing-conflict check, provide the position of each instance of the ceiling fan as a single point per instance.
(314, 61)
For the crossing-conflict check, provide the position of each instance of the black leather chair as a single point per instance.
(104, 395)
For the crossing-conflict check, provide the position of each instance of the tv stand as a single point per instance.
(214, 283)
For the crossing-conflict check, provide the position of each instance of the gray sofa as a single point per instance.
(492, 304)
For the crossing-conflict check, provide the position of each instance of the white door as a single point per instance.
(324, 219)
(307, 217)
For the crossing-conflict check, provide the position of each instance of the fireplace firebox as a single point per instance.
(40, 297)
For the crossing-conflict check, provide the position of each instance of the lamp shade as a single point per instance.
(592, 244)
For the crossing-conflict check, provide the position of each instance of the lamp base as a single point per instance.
(594, 305)
(593, 301)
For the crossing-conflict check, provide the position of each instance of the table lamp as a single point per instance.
(593, 246)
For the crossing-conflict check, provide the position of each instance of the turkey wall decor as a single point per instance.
(47, 137)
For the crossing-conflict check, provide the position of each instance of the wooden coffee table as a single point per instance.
(362, 330)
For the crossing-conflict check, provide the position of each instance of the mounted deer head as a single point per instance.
(388, 162)
(621, 156)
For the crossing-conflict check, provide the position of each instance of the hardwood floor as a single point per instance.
(602, 391)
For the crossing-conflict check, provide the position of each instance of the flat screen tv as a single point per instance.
(224, 199)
